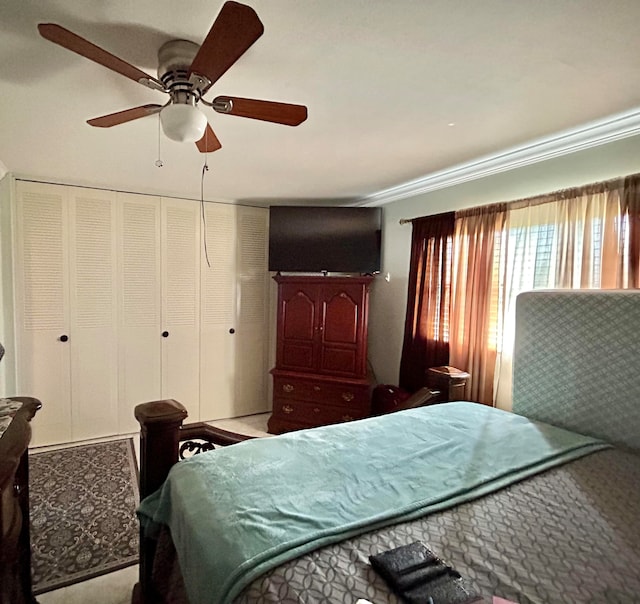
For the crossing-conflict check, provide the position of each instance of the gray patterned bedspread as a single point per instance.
(571, 534)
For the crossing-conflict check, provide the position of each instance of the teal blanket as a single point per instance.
(236, 512)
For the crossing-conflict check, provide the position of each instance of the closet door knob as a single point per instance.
(165, 334)
(232, 331)
(63, 338)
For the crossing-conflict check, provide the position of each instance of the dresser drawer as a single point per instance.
(313, 414)
(316, 391)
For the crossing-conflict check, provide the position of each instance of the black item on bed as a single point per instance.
(418, 576)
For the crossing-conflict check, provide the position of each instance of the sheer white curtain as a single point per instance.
(577, 242)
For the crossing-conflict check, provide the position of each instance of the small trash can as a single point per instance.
(449, 380)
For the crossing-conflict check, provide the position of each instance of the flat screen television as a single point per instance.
(318, 239)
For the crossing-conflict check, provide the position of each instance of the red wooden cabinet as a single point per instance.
(321, 350)
(322, 325)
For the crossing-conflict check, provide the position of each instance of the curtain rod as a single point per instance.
(598, 187)
(412, 220)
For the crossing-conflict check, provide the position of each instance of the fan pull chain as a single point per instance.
(205, 168)
(206, 146)
(159, 162)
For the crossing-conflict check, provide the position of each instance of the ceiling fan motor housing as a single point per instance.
(174, 60)
(181, 120)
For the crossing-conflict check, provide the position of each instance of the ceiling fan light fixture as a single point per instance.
(184, 123)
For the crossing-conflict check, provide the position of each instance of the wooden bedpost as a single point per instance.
(161, 432)
(160, 423)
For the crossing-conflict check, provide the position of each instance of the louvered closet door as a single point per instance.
(252, 334)
(139, 329)
(93, 338)
(42, 307)
(218, 313)
(180, 245)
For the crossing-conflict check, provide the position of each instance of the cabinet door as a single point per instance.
(139, 317)
(298, 347)
(252, 332)
(342, 329)
(218, 312)
(180, 245)
(42, 307)
(93, 335)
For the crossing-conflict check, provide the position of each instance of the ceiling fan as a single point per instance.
(186, 71)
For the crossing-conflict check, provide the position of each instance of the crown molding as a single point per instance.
(613, 128)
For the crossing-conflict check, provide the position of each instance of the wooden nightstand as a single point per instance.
(449, 380)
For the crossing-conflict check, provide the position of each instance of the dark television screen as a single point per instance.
(315, 239)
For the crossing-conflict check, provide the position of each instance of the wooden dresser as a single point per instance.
(320, 375)
(15, 548)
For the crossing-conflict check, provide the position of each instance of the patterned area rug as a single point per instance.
(83, 521)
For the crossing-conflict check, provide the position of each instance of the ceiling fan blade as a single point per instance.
(209, 142)
(235, 29)
(113, 119)
(267, 111)
(67, 39)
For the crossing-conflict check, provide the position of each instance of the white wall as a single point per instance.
(388, 299)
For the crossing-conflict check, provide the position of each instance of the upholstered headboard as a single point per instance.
(577, 361)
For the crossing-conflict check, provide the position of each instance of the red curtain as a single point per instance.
(426, 334)
(631, 207)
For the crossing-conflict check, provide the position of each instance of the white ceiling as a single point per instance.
(382, 79)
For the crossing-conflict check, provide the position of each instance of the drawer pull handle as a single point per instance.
(287, 409)
(287, 387)
(347, 418)
(347, 396)
(316, 410)
(317, 388)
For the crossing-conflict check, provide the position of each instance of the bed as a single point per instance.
(539, 505)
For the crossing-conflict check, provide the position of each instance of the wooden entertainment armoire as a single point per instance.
(321, 373)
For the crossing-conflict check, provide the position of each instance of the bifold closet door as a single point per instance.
(252, 333)
(93, 339)
(43, 359)
(218, 312)
(139, 305)
(180, 254)
(66, 309)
